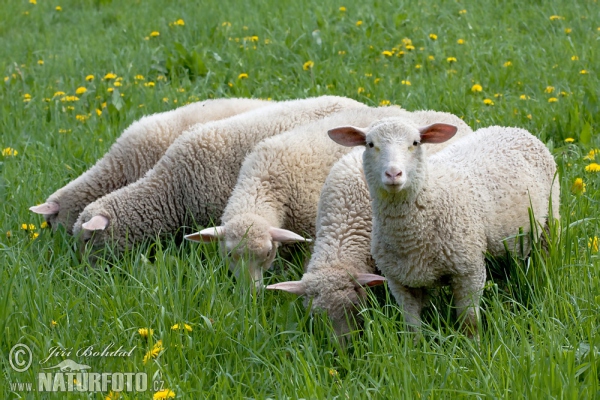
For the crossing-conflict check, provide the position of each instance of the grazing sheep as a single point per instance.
(137, 150)
(277, 192)
(193, 180)
(341, 262)
(434, 218)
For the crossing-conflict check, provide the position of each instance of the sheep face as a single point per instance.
(393, 158)
(334, 291)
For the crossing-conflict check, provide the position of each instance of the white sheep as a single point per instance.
(434, 218)
(193, 180)
(276, 196)
(341, 263)
(134, 153)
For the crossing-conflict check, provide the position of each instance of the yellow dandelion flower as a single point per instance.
(243, 75)
(34, 235)
(383, 103)
(409, 47)
(462, 12)
(549, 89)
(524, 97)
(342, 9)
(165, 99)
(569, 140)
(574, 58)
(184, 326)
(359, 23)
(154, 33)
(81, 118)
(578, 186)
(387, 53)
(583, 72)
(149, 84)
(529, 116)
(497, 95)
(552, 100)
(418, 66)
(342, 52)
(9, 152)
(110, 90)
(431, 58)
(40, 62)
(118, 84)
(376, 81)
(89, 78)
(507, 64)
(98, 111)
(460, 41)
(555, 17)
(154, 352)
(488, 102)
(110, 76)
(592, 154)
(58, 8)
(361, 90)
(180, 22)
(308, 65)
(476, 88)
(593, 167)
(33, 1)
(44, 225)
(59, 93)
(568, 30)
(53, 323)
(80, 90)
(451, 59)
(26, 97)
(145, 332)
(139, 77)
(8, 234)
(432, 36)
(112, 395)
(163, 394)
(226, 23)
(407, 83)
(593, 244)
(333, 372)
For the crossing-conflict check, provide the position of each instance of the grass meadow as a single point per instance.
(75, 74)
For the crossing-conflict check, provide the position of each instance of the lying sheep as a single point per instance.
(277, 193)
(341, 263)
(434, 218)
(135, 152)
(192, 181)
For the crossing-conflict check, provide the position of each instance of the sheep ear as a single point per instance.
(348, 136)
(207, 235)
(48, 208)
(370, 279)
(285, 236)
(97, 223)
(437, 133)
(295, 287)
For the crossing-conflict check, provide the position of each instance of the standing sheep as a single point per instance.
(193, 180)
(434, 218)
(341, 263)
(136, 151)
(277, 192)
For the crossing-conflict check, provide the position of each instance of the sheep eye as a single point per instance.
(415, 143)
(370, 144)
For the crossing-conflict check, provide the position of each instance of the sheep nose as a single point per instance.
(393, 173)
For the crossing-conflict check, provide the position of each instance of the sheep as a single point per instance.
(192, 181)
(341, 263)
(434, 218)
(135, 152)
(277, 193)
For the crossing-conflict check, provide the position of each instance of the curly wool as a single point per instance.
(135, 152)
(192, 181)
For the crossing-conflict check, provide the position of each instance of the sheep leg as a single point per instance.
(467, 290)
(411, 300)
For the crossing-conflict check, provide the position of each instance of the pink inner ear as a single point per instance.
(370, 279)
(348, 136)
(97, 223)
(437, 133)
(295, 287)
(46, 208)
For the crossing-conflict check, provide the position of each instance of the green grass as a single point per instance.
(541, 335)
